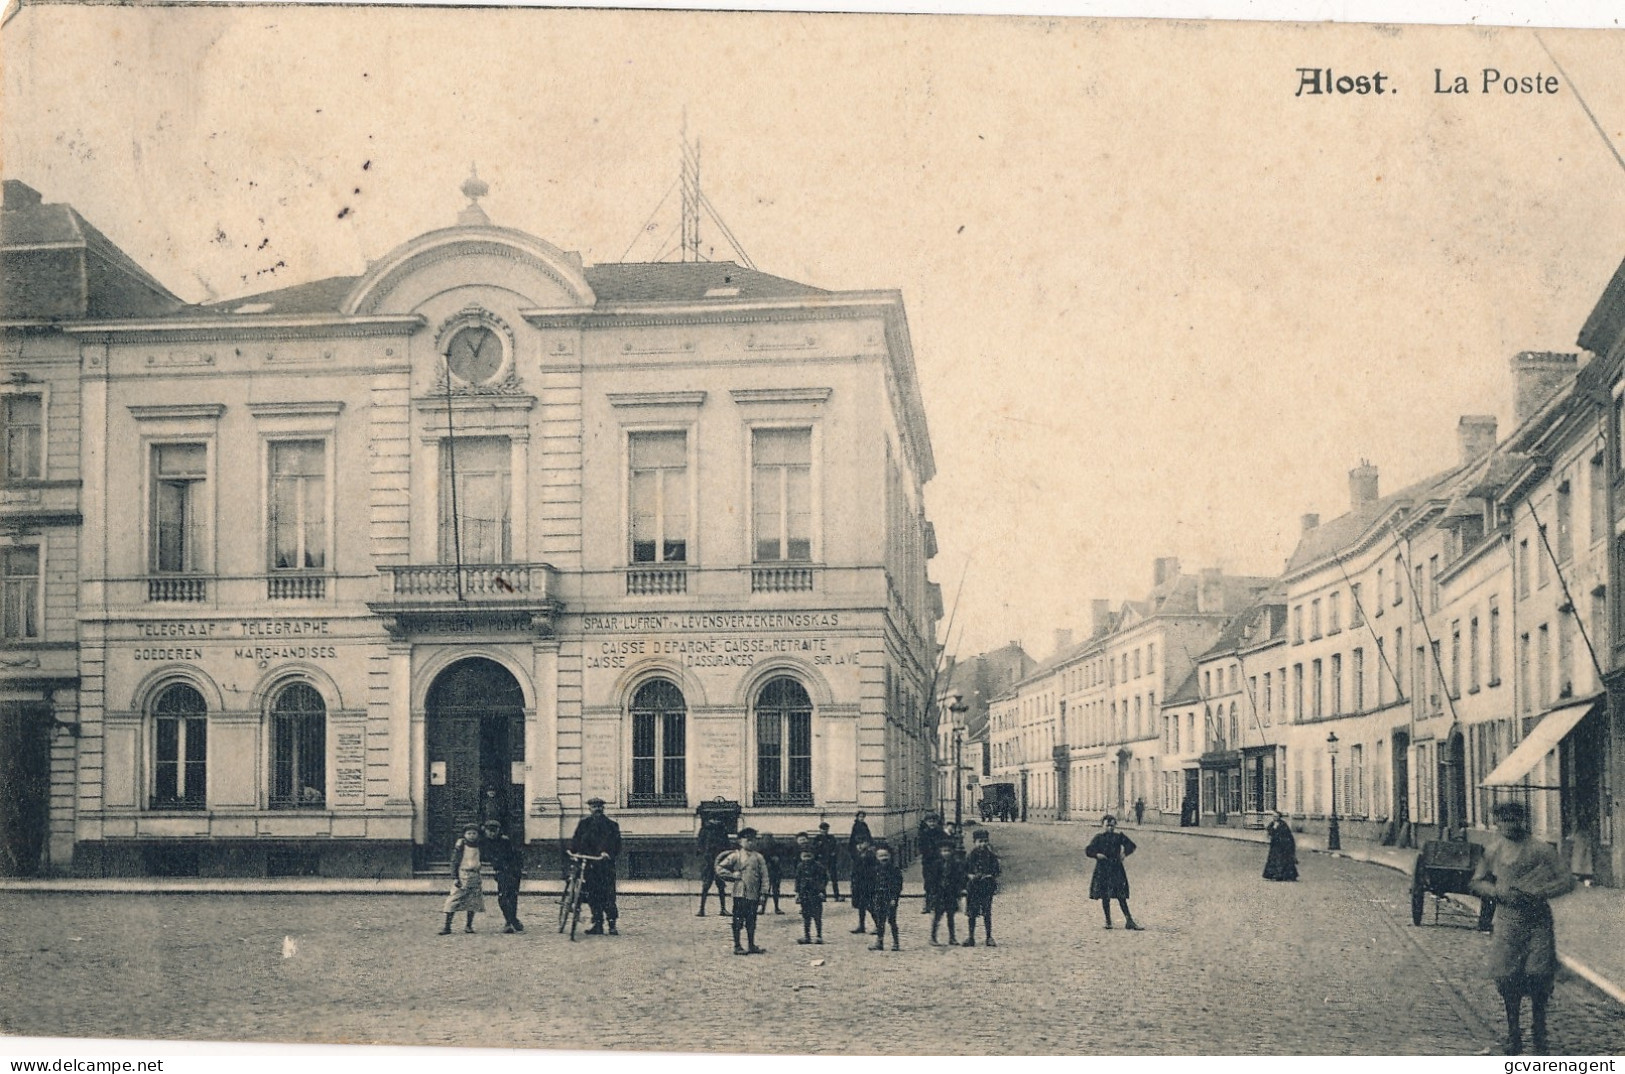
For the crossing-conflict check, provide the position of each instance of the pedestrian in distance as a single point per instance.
(863, 881)
(1282, 863)
(746, 873)
(981, 884)
(950, 881)
(829, 853)
(811, 880)
(1521, 874)
(1139, 811)
(711, 842)
(598, 838)
(772, 853)
(509, 866)
(1187, 812)
(928, 836)
(1110, 879)
(465, 896)
(884, 896)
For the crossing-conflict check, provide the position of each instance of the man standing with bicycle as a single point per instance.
(598, 839)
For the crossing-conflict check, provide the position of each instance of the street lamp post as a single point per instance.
(958, 708)
(1334, 838)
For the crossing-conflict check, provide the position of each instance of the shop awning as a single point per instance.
(1539, 742)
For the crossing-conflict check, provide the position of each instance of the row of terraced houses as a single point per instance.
(1422, 655)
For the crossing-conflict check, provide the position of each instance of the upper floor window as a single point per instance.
(22, 438)
(180, 748)
(1356, 608)
(1314, 618)
(1334, 613)
(179, 487)
(475, 512)
(781, 494)
(298, 748)
(1565, 522)
(783, 744)
(298, 507)
(659, 496)
(19, 593)
(1598, 486)
(659, 740)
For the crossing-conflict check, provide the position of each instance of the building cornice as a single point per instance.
(246, 326)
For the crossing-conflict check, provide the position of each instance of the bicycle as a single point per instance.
(575, 890)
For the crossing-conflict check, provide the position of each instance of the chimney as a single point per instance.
(1210, 592)
(19, 195)
(1311, 522)
(1536, 376)
(1362, 486)
(1165, 569)
(1476, 435)
(1100, 617)
(1063, 640)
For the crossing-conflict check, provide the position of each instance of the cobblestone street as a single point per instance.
(1228, 964)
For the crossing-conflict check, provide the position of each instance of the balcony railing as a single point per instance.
(178, 589)
(677, 800)
(656, 581)
(495, 583)
(781, 579)
(768, 799)
(296, 587)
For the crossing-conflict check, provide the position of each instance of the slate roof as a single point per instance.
(635, 283)
(1344, 531)
(58, 265)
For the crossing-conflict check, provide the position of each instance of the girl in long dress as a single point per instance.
(1110, 880)
(1282, 863)
(465, 891)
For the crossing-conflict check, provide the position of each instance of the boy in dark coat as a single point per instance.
(811, 878)
(828, 854)
(711, 843)
(769, 848)
(928, 837)
(509, 866)
(883, 898)
(863, 881)
(944, 899)
(981, 882)
(1110, 880)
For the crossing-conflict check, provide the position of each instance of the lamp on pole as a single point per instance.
(958, 708)
(1334, 838)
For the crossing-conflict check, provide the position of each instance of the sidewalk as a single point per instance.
(1590, 920)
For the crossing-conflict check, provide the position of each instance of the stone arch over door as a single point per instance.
(474, 746)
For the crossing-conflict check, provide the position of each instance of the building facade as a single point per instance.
(483, 533)
(56, 269)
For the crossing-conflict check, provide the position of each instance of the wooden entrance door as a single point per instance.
(474, 733)
(25, 785)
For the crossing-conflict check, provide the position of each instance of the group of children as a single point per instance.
(876, 888)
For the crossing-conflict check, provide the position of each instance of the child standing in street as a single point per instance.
(811, 879)
(883, 897)
(746, 871)
(465, 885)
(950, 881)
(981, 882)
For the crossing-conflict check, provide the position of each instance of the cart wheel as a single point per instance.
(1416, 902)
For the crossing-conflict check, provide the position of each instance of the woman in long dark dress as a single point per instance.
(1110, 880)
(1282, 864)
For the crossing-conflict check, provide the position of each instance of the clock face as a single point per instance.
(475, 354)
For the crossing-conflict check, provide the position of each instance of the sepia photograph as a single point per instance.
(809, 533)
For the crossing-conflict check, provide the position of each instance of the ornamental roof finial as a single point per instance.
(474, 188)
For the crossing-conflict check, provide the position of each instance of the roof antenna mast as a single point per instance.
(691, 195)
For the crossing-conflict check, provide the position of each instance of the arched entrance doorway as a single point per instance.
(474, 733)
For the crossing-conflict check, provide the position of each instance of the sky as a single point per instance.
(1160, 305)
